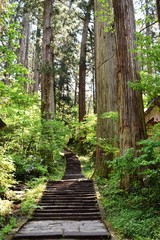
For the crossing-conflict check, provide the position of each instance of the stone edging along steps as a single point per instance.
(69, 209)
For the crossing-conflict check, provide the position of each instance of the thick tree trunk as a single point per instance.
(106, 88)
(82, 64)
(47, 86)
(131, 114)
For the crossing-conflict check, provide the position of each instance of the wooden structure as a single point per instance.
(152, 114)
(2, 124)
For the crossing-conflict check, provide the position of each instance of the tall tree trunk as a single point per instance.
(106, 88)
(23, 52)
(75, 93)
(47, 86)
(93, 71)
(131, 113)
(24, 44)
(36, 60)
(148, 32)
(82, 64)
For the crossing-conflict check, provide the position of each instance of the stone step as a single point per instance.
(66, 200)
(57, 235)
(67, 206)
(67, 210)
(69, 193)
(65, 197)
(71, 204)
(69, 217)
(52, 214)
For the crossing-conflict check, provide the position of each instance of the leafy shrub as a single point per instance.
(54, 138)
(5, 207)
(7, 169)
(29, 167)
(84, 134)
(34, 147)
(7, 228)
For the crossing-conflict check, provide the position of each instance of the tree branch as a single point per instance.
(105, 61)
(148, 26)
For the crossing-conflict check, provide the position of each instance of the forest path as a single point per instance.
(69, 209)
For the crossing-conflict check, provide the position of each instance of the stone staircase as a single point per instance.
(68, 209)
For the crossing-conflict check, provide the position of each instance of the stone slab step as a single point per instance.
(71, 204)
(73, 235)
(55, 201)
(71, 198)
(59, 214)
(73, 218)
(69, 194)
(67, 210)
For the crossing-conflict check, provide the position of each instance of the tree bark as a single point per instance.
(24, 44)
(82, 64)
(148, 33)
(0, 15)
(36, 60)
(106, 89)
(131, 113)
(158, 10)
(23, 53)
(47, 85)
(93, 71)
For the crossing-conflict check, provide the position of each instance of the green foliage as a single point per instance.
(55, 136)
(148, 55)
(10, 69)
(7, 228)
(87, 163)
(32, 196)
(7, 169)
(134, 214)
(112, 115)
(128, 213)
(124, 164)
(84, 133)
(26, 140)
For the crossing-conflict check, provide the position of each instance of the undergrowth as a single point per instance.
(131, 214)
(87, 166)
(6, 228)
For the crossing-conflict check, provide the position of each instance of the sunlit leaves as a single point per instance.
(106, 15)
(148, 55)
(7, 169)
